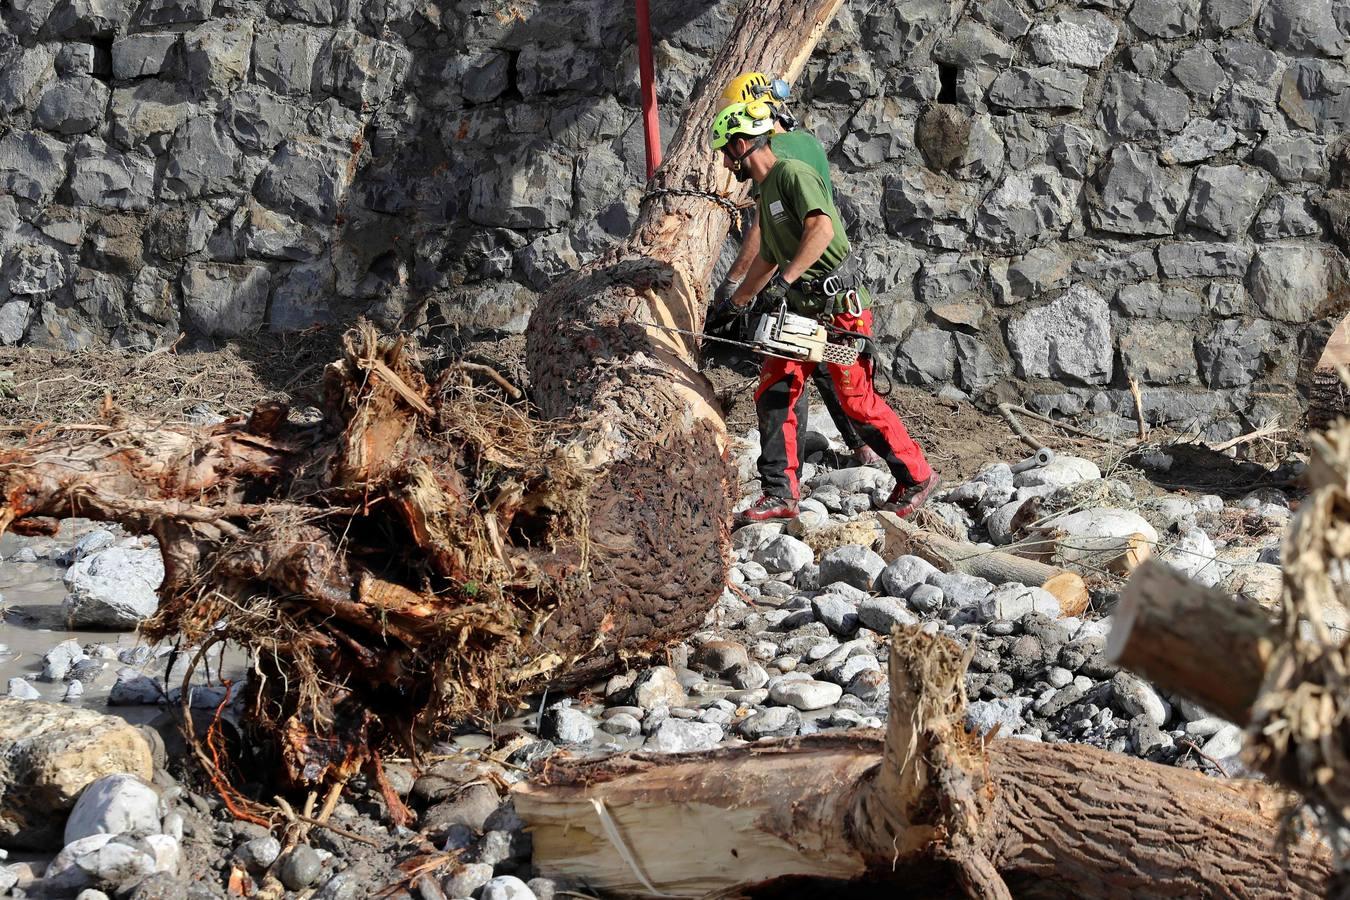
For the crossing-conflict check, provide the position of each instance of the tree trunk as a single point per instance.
(427, 553)
(1163, 621)
(926, 804)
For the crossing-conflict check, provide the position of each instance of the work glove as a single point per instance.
(722, 305)
(773, 293)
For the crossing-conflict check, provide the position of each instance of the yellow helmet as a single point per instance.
(746, 87)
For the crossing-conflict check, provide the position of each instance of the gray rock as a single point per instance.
(304, 180)
(1292, 157)
(1135, 107)
(784, 554)
(114, 804)
(1076, 38)
(658, 686)
(139, 55)
(883, 614)
(1301, 27)
(34, 270)
(21, 689)
(838, 614)
(1226, 743)
(852, 564)
(683, 736)
(1286, 216)
(100, 860)
(622, 725)
(32, 165)
(770, 721)
(1194, 555)
(286, 58)
(258, 853)
(58, 661)
(1289, 282)
(1232, 354)
(720, 656)
(467, 879)
(1027, 207)
(1138, 196)
(1010, 602)
(1147, 738)
(1135, 697)
(1002, 16)
(72, 106)
(148, 114)
(806, 694)
(926, 356)
(301, 868)
(959, 589)
(113, 588)
(1200, 139)
(1224, 199)
(1067, 338)
(108, 178)
(844, 672)
(903, 573)
(23, 70)
(1199, 74)
(225, 300)
(520, 192)
(1167, 19)
(1151, 300)
(1226, 15)
(506, 887)
(1226, 299)
(566, 726)
(216, 55)
(1043, 87)
(983, 715)
(1075, 150)
(926, 598)
(202, 161)
(1157, 352)
(1198, 259)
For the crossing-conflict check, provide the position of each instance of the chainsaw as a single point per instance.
(786, 335)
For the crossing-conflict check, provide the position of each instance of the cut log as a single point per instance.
(901, 537)
(927, 805)
(426, 553)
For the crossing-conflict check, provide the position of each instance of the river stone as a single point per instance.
(1136, 697)
(852, 564)
(784, 553)
(770, 721)
(1099, 534)
(658, 686)
(883, 614)
(99, 861)
(113, 588)
(54, 752)
(114, 804)
(806, 695)
(683, 736)
(567, 726)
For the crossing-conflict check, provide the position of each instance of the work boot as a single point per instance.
(766, 508)
(904, 500)
(866, 456)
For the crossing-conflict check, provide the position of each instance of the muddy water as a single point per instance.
(33, 622)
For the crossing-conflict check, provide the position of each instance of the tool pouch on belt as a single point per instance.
(836, 292)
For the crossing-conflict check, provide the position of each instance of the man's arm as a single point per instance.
(749, 250)
(817, 232)
(761, 270)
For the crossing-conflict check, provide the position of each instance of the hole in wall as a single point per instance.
(947, 82)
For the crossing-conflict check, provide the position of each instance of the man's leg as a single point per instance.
(778, 401)
(825, 384)
(874, 420)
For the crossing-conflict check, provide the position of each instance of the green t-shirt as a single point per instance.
(802, 145)
(792, 190)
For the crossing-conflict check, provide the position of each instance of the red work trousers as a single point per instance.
(780, 402)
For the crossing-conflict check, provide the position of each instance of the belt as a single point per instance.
(844, 277)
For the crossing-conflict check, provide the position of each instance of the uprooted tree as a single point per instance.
(427, 553)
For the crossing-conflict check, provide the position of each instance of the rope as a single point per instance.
(732, 209)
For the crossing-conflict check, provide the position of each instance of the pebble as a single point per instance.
(771, 721)
(506, 887)
(678, 736)
(806, 695)
(301, 868)
(1225, 743)
(622, 724)
(467, 879)
(20, 689)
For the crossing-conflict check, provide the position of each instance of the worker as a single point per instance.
(804, 262)
(788, 142)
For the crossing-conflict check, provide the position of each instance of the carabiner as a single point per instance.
(853, 304)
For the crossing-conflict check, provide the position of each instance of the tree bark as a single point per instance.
(926, 804)
(1199, 642)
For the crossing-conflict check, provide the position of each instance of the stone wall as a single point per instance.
(1049, 198)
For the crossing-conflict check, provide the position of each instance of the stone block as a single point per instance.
(26, 17)
(305, 180)
(978, 367)
(32, 165)
(1166, 19)
(303, 297)
(362, 70)
(1003, 16)
(918, 194)
(1227, 15)
(273, 235)
(315, 12)
(1224, 199)
(1289, 282)
(1198, 72)
(974, 44)
(1316, 95)
(1198, 259)
(1043, 87)
(286, 58)
(547, 70)
(1116, 266)
(1157, 352)
(876, 133)
(949, 277)
(172, 12)
(1292, 157)
(927, 356)
(1233, 353)
(1226, 299)
(34, 270)
(14, 315)
(108, 178)
(1153, 301)
(1070, 337)
(256, 119)
(1286, 216)
(202, 161)
(23, 72)
(216, 55)
(139, 55)
(75, 59)
(224, 300)
(1250, 64)
(148, 114)
(1027, 208)
(1080, 38)
(1075, 150)
(847, 77)
(88, 19)
(1138, 196)
(526, 190)
(1135, 107)
(1301, 28)
(1200, 139)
